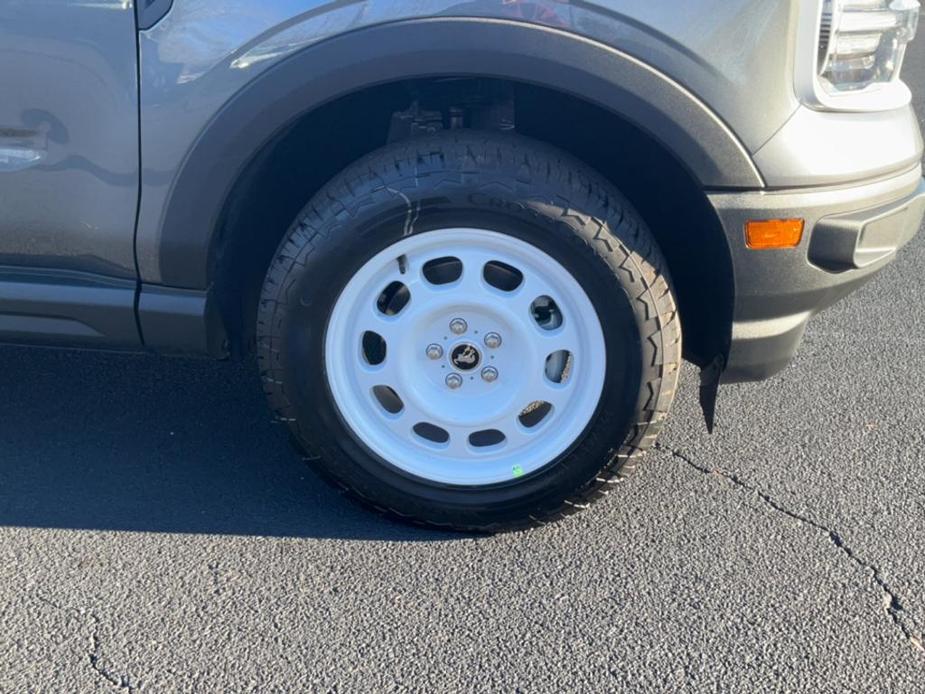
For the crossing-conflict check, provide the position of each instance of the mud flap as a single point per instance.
(709, 390)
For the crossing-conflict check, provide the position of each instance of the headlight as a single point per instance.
(862, 42)
(859, 48)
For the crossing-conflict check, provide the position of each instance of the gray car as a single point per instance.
(463, 239)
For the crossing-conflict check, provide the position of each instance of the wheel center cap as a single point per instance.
(465, 357)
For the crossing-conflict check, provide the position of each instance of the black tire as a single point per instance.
(474, 179)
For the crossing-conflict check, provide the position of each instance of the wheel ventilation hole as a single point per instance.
(374, 348)
(443, 270)
(559, 366)
(393, 299)
(534, 414)
(502, 276)
(388, 399)
(546, 313)
(432, 433)
(486, 438)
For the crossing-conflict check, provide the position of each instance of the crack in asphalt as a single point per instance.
(893, 606)
(96, 660)
(96, 652)
(215, 572)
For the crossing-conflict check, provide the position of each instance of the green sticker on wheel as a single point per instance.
(518, 471)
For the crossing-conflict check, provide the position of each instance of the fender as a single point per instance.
(423, 48)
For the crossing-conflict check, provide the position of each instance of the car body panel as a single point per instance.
(69, 168)
(851, 233)
(815, 148)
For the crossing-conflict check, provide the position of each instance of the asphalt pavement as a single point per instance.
(158, 534)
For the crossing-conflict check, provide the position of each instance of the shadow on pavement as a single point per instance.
(141, 443)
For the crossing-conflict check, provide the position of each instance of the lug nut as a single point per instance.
(492, 340)
(434, 351)
(458, 326)
(490, 374)
(454, 381)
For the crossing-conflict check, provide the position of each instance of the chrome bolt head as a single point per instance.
(454, 381)
(458, 326)
(492, 340)
(490, 374)
(434, 351)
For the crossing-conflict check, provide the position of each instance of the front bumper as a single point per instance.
(851, 233)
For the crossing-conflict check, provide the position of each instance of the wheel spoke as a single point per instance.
(458, 445)
(404, 422)
(386, 374)
(541, 389)
(413, 266)
(535, 286)
(563, 340)
(472, 282)
(388, 327)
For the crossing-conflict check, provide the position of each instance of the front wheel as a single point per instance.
(470, 330)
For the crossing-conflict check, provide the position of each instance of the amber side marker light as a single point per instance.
(773, 233)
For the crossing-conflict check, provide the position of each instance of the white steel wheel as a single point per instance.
(465, 357)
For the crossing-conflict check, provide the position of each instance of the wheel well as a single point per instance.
(281, 178)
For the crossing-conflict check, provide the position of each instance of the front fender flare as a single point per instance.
(423, 48)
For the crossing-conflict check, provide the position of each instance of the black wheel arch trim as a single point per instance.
(418, 49)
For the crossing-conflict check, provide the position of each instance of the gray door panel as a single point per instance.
(68, 135)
